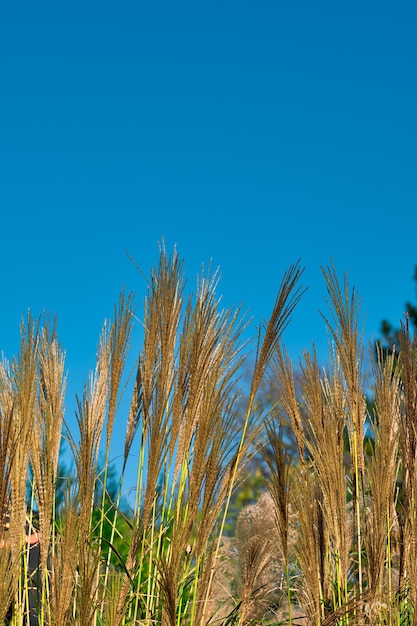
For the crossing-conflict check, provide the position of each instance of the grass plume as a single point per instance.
(331, 541)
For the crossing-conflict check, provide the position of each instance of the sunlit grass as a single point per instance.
(331, 539)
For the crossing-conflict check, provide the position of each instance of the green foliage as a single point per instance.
(391, 335)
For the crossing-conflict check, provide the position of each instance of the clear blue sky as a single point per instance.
(250, 133)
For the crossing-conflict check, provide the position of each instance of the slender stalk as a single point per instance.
(357, 510)
(287, 580)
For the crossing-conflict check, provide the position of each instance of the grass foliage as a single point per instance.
(331, 540)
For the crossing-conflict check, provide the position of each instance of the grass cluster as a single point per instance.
(333, 539)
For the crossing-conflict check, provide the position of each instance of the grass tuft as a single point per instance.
(332, 538)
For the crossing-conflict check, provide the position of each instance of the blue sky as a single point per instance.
(252, 134)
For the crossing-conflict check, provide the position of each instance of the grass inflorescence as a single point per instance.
(331, 538)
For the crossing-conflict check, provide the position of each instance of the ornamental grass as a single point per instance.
(331, 538)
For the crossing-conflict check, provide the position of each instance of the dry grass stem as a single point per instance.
(332, 538)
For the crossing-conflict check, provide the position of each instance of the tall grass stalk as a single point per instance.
(408, 452)
(332, 543)
(344, 499)
(346, 335)
(269, 336)
(278, 463)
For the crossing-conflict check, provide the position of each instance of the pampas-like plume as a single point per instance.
(119, 340)
(47, 429)
(155, 379)
(8, 573)
(153, 400)
(311, 546)
(260, 554)
(289, 294)
(23, 379)
(408, 446)
(348, 351)
(90, 418)
(326, 413)
(185, 399)
(282, 380)
(63, 563)
(346, 335)
(278, 463)
(382, 474)
(185, 403)
(269, 336)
